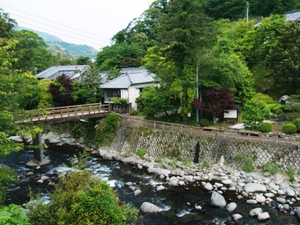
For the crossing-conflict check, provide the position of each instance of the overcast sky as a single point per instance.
(90, 22)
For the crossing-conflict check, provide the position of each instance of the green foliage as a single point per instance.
(297, 124)
(265, 127)
(271, 168)
(204, 122)
(206, 165)
(141, 152)
(120, 101)
(46, 99)
(291, 174)
(289, 128)
(80, 198)
(106, 128)
(248, 166)
(7, 176)
(254, 112)
(87, 89)
(13, 215)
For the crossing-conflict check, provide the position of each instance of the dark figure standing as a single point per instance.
(197, 151)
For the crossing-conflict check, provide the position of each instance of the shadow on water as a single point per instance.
(177, 204)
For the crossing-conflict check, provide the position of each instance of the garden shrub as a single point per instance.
(297, 124)
(204, 123)
(81, 198)
(265, 127)
(289, 128)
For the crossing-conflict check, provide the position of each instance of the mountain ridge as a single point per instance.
(56, 45)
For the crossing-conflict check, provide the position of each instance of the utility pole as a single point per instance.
(247, 12)
(197, 93)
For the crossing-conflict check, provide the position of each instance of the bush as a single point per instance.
(271, 168)
(265, 127)
(13, 214)
(291, 174)
(297, 124)
(289, 128)
(204, 123)
(141, 152)
(81, 198)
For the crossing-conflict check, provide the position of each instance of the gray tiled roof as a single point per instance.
(293, 15)
(130, 76)
(55, 71)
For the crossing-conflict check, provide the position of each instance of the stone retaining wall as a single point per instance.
(181, 146)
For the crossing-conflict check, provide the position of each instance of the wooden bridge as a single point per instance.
(67, 113)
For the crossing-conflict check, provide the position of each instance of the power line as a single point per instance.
(64, 27)
(54, 22)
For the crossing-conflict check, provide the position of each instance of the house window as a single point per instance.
(113, 93)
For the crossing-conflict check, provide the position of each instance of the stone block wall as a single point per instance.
(181, 146)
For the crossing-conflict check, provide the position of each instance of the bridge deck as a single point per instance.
(67, 113)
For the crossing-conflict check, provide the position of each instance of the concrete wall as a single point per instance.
(181, 146)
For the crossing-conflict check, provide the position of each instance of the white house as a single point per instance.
(129, 85)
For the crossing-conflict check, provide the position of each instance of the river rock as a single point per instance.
(217, 200)
(290, 192)
(260, 198)
(255, 212)
(231, 206)
(251, 201)
(297, 211)
(148, 207)
(263, 216)
(208, 186)
(137, 192)
(173, 181)
(159, 171)
(160, 188)
(254, 187)
(281, 200)
(227, 181)
(236, 217)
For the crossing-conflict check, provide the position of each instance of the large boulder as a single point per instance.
(148, 207)
(254, 187)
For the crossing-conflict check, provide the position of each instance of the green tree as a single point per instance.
(254, 113)
(81, 198)
(182, 32)
(83, 60)
(285, 57)
(31, 52)
(46, 99)
(87, 88)
(156, 100)
(6, 25)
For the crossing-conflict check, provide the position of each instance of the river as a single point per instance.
(176, 203)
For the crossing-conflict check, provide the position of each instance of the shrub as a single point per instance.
(291, 174)
(265, 127)
(141, 152)
(289, 128)
(120, 101)
(204, 122)
(248, 166)
(81, 198)
(271, 168)
(297, 124)
(13, 214)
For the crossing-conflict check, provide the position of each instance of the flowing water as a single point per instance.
(177, 204)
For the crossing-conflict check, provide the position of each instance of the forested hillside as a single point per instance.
(56, 46)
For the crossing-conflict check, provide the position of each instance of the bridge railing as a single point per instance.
(56, 113)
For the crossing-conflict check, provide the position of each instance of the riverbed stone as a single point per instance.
(260, 198)
(217, 200)
(297, 211)
(251, 201)
(137, 192)
(281, 200)
(254, 187)
(290, 192)
(208, 186)
(255, 212)
(173, 181)
(236, 217)
(159, 171)
(231, 206)
(148, 207)
(263, 216)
